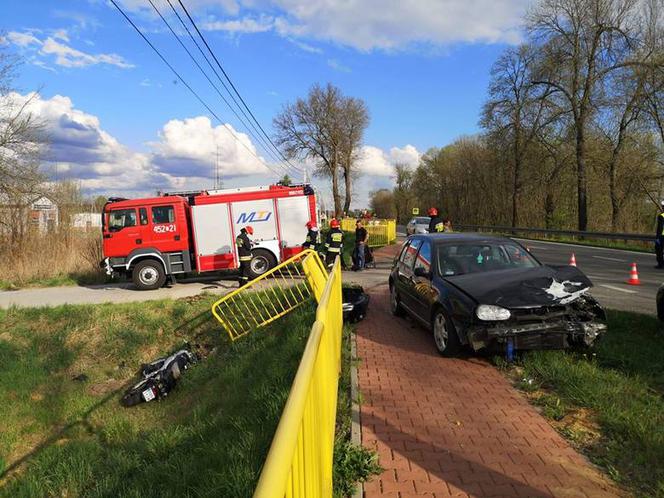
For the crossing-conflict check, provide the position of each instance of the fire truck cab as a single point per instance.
(156, 238)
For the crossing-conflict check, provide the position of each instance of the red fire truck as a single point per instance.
(173, 234)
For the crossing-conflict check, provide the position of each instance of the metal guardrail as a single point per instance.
(382, 232)
(299, 463)
(567, 233)
(290, 284)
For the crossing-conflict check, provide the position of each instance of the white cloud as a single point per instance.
(376, 162)
(22, 39)
(182, 157)
(375, 24)
(244, 25)
(61, 53)
(67, 56)
(338, 66)
(189, 147)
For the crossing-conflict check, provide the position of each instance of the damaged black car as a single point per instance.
(491, 294)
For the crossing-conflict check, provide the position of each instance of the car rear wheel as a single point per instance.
(444, 335)
(261, 262)
(395, 303)
(148, 275)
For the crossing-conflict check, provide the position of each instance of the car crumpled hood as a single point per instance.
(524, 287)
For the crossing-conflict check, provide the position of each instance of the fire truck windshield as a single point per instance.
(121, 218)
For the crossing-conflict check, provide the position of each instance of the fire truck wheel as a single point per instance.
(261, 262)
(148, 275)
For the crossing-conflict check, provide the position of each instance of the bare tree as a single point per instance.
(581, 43)
(21, 143)
(354, 120)
(516, 111)
(325, 127)
(403, 195)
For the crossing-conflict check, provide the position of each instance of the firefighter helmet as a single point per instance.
(249, 229)
(433, 211)
(334, 223)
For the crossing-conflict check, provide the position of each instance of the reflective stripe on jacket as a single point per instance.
(334, 240)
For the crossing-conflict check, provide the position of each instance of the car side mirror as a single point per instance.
(421, 272)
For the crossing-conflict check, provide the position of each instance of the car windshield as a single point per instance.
(421, 221)
(459, 259)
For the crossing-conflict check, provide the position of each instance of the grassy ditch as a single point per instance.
(609, 403)
(64, 432)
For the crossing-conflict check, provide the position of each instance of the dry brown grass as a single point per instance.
(58, 258)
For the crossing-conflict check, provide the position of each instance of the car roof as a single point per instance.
(457, 237)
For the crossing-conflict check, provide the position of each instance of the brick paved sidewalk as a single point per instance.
(455, 427)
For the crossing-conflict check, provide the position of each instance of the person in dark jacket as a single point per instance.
(334, 243)
(361, 240)
(243, 243)
(436, 224)
(313, 236)
(659, 238)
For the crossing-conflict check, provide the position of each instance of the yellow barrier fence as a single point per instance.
(278, 291)
(381, 232)
(299, 463)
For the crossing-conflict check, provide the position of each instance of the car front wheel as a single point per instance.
(444, 335)
(395, 303)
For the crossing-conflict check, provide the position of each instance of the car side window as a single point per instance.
(143, 216)
(423, 259)
(163, 214)
(402, 254)
(411, 253)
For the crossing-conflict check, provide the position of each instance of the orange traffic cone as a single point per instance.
(572, 260)
(633, 276)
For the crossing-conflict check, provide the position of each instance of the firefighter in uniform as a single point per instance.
(334, 243)
(243, 243)
(659, 238)
(313, 236)
(436, 225)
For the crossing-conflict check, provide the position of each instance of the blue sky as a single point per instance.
(120, 123)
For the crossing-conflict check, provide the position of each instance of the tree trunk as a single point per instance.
(516, 191)
(335, 194)
(349, 194)
(582, 183)
(549, 209)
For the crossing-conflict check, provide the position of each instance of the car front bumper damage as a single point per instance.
(579, 323)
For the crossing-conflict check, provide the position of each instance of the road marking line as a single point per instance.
(617, 288)
(539, 248)
(611, 259)
(597, 277)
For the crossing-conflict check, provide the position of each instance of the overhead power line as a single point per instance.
(182, 80)
(193, 23)
(258, 138)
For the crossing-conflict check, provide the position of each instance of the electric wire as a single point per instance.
(193, 23)
(258, 138)
(181, 79)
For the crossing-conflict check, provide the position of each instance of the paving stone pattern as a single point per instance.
(455, 427)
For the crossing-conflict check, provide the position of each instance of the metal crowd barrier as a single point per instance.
(299, 463)
(277, 292)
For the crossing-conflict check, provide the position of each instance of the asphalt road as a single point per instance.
(609, 270)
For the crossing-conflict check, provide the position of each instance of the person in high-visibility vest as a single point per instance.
(313, 236)
(243, 243)
(334, 243)
(436, 224)
(659, 238)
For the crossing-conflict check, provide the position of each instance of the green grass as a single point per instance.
(65, 437)
(208, 438)
(610, 403)
(69, 279)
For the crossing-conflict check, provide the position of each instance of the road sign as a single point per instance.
(416, 211)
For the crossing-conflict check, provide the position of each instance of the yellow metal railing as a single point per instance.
(278, 292)
(299, 463)
(381, 232)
